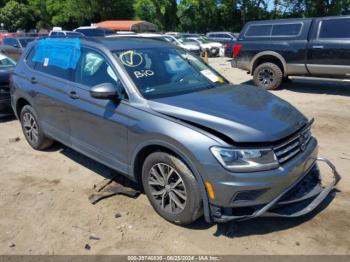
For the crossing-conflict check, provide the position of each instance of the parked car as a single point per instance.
(14, 46)
(92, 31)
(221, 36)
(226, 38)
(6, 67)
(187, 35)
(163, 118)
(191, 47)
(213, 48)
(273, 50)
(4, 33)
(62, 33)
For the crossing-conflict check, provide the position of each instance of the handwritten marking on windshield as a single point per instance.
(143, 73)
(131, 58)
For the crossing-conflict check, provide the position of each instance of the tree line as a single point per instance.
(168, 15)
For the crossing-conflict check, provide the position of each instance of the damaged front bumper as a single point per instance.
(301, 198)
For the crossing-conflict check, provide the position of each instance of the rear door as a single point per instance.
(329, 48)
(48, 84)
(98, 127)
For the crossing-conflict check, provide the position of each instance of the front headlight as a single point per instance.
(245, 160)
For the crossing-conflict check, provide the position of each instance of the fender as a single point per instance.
(187, 161)
(17, 97)
(269, 53)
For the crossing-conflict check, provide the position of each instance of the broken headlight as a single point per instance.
(245, 160)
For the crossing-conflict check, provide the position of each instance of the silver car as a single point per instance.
(157, 114)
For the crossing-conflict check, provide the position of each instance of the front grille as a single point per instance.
(215, 50)
(293, 146)
(304, 186)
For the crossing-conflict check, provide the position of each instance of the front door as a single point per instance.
(98, 127)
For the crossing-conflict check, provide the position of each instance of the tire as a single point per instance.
(180, 205)
(32, 130)
(268, 76)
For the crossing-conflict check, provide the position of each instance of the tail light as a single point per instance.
(236, 49)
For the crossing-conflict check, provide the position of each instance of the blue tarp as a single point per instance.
(63, 53)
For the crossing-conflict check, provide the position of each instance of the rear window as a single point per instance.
(274, 30)
(259, 30)
(91, 32)
(286, 30)
(337, 28)
(46, 67)
(25, 41)
(73, 34)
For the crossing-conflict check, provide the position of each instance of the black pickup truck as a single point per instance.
(273, 50)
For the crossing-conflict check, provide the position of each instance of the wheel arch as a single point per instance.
(20, 103)
(142, 151)
(268, 56)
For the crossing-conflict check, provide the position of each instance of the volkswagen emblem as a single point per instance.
(302, 142)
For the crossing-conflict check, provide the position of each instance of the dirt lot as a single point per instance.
(44, 207)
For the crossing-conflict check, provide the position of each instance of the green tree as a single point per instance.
(198, 15)
(312, 8)
(16, 16)
(146, 10)
(160, 12)
(73, 13)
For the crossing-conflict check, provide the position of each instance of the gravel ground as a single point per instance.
(45, 209)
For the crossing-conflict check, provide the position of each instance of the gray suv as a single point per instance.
(195, 143)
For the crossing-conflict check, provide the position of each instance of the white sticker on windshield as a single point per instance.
(46, 62)
(210, 75)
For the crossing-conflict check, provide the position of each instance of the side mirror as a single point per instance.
(105, 91)
(16, 46)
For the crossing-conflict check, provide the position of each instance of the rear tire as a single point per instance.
(32, 129)
(268, 76)
(171, 188)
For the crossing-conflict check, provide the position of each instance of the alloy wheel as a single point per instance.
(167, 188)
(30, 128)
(266, 76)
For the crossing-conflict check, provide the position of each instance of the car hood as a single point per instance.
(212, 44)
(241, 113)
(191, 47)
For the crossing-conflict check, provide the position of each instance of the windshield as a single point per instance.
(24, 41)
(6, 62)
(171, 39)
(186, 40)
(161, 72)
(204, 40)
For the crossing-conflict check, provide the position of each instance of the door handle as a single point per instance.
(317, 46)
(33, 80)
(73, 95)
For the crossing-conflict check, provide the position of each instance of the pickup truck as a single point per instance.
(312, 47)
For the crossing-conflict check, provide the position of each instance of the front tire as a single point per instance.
(32, 130)
(171, 188)
(268, 76)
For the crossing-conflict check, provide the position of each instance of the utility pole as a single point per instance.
(243, 12)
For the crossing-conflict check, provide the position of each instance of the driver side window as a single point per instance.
(93, 69)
